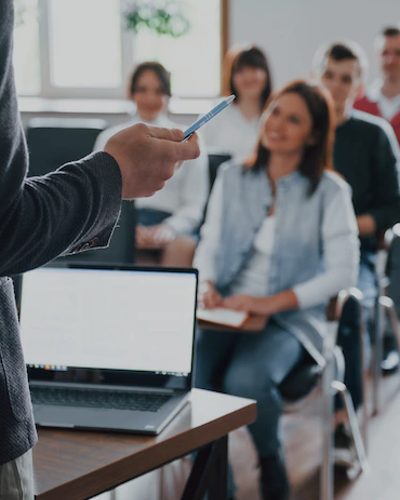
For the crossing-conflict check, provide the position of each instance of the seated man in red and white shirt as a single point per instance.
(383, 97)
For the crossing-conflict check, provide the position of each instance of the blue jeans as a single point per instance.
(151, 217)
(250, 366)
(348, 337)
(16, 478)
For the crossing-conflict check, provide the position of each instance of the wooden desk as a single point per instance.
(76, 465)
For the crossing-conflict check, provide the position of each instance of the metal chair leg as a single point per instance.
(326, 478)
(364, 374)
(388, 305)
(377, 355)
(341, 389)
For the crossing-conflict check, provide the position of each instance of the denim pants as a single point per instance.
(151, 217)
(348, 337)
(16, 478)
(251, 366)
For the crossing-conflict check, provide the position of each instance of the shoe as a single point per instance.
(391, 357)
(345, 454)
(274, 480)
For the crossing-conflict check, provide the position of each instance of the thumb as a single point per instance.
(167, 134)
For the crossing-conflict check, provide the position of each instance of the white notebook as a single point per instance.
(223, 316)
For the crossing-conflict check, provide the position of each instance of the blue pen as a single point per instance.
(207, 117)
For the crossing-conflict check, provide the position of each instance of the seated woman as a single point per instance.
(279, 240)
(246, 74)
(166, 220)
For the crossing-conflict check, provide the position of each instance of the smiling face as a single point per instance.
(149, 96)
(249, 82)
(342, 79)
(388, 52)
(287, 125)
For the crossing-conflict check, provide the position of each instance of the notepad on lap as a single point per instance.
(223, 316)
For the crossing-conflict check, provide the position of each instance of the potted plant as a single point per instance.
(164, 17)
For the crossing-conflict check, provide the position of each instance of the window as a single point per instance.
(26, 47)
(79, 48)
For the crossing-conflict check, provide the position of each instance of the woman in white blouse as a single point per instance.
(246, 74)
(280, 240)
(168, 219)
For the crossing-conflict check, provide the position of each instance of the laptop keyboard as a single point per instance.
(88, 398)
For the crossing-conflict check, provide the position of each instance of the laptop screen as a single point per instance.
(131, 319)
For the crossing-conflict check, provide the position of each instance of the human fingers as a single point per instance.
(211, 299)
(168, 134)
(141, 235)
(172, 151)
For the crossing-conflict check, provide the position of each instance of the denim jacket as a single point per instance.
(316, 248)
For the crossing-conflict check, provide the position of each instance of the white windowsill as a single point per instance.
(177, 106)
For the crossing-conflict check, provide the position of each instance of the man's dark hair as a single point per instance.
(390, 31)
(162, 74)
(341, 51)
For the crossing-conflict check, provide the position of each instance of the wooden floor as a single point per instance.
(301, 432)
(302, 437)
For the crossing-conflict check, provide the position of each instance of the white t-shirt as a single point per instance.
(230, 132)
(388, 107)
(185, 194)
(253, 278)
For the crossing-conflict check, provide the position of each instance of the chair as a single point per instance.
(55, 141)
(307, 375)
(214, 161)
(387, 309)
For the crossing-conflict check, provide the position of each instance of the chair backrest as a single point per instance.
(346, 309)
(55, 141)
(214, 161)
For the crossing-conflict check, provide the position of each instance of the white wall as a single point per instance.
(290, 31)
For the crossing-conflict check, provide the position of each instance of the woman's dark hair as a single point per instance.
(238, 58)
(162, 74)
(317, 156)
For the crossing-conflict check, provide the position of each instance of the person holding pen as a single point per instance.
(67, 211)
(168, 220)
(280, 239)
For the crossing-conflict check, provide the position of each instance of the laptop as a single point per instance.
(108, 348)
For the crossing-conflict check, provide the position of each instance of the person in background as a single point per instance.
(246, 74)
(366, 153)
(382, 98)
(169, 219)
(280, 239)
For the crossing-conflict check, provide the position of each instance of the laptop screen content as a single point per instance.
(139, 320)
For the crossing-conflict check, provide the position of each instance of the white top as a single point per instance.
(230, 132)
(253, 278)
(388, 107)
(185, 194)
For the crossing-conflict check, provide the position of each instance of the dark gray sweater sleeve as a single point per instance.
(386, 205)
(65, 211)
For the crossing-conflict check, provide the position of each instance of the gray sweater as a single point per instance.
(40, 218)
